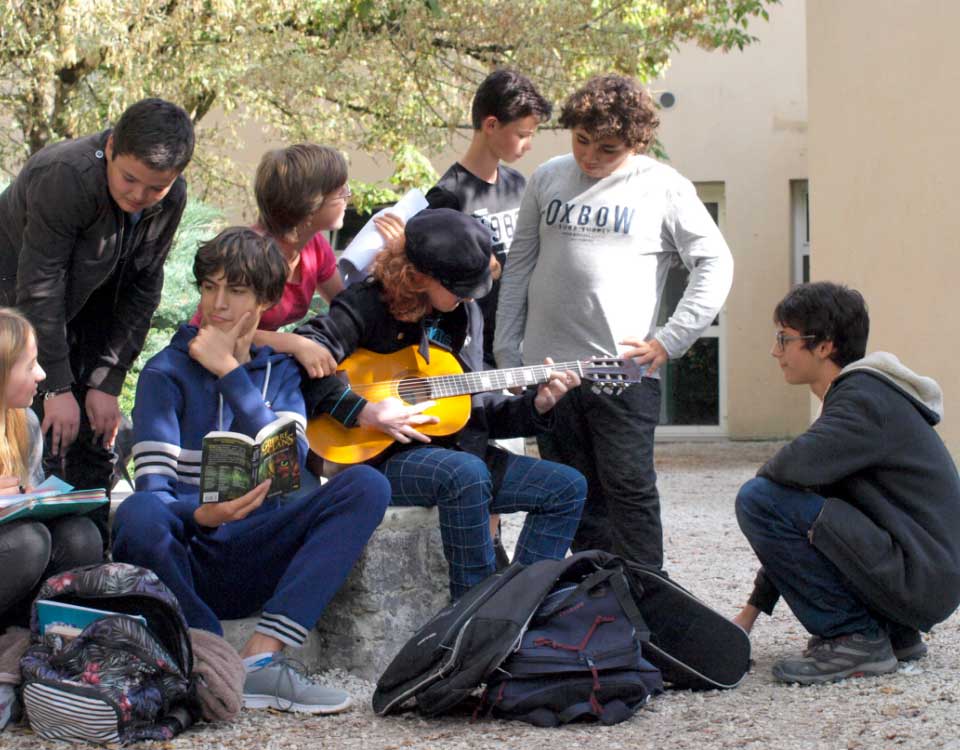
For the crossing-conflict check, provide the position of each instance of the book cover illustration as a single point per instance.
(232, 464)
(51, 498)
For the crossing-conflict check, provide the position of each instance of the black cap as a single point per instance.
(452, 248)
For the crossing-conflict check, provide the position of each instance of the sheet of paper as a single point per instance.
(359, 254)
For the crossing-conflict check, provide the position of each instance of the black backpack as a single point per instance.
(461, 646)
(579, 658)
(118, 681)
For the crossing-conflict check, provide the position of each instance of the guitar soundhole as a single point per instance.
(413, 390)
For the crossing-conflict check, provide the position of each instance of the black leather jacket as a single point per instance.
(61, 237)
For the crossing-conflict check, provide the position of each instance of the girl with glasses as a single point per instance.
(301, 192)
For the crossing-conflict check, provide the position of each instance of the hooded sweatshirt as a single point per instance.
(891, 521)
(179, 401)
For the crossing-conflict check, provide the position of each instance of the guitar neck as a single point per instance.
(468, 383)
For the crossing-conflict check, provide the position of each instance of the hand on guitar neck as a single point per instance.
(397, 419)
(400, 420)
(555, 388)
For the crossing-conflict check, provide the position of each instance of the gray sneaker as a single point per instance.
(832, 659)
(283, 683)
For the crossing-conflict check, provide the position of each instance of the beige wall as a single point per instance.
(885, 173)
(741, 119)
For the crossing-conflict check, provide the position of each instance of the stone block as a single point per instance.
(399, 582)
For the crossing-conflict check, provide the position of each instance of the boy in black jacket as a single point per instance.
(421, 294)
(857, 521)
(85, 228)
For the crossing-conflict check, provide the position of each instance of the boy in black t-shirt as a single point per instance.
(507, 109)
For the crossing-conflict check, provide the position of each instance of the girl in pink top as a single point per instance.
(301, 192)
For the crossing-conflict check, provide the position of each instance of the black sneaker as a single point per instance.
(907, 644)
(832, 659)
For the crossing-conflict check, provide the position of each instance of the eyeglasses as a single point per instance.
(783, 339)
(344, 195)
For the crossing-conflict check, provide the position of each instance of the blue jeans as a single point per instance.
(460, 485)
(776, 521)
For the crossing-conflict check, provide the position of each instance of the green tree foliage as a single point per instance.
(375, 75)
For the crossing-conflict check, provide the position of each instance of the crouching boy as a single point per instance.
(284, 555)
(857, 521)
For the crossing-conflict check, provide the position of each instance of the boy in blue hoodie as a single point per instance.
(284, 555)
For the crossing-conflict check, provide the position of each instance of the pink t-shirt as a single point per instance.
(317, 264)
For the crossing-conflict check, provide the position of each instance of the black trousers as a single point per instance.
(86, 463)
(607, 434)
(31, 551)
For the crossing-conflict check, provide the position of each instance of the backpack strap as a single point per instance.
(621, 587)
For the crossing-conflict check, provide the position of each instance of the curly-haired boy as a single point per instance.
(597, 232)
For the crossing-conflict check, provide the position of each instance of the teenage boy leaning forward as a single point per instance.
(285, 555)
(857, 521)
(506, 111)
(85, 228)
(597, 233)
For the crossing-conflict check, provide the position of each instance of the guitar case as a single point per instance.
(694, 646)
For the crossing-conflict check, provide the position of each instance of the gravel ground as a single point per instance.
(914, 708)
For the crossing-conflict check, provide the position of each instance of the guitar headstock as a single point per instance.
(611, 375)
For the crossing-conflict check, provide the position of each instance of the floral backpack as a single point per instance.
(118, 681)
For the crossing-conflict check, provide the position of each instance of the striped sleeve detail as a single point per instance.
(167, 459)
(283, 629)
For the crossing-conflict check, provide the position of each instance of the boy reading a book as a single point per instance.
(285, 555)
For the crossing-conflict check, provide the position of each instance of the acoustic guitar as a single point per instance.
(407, 376)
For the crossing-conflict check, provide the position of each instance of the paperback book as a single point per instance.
(232, 463)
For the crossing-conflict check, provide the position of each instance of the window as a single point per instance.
(693, 387)
(800, 201)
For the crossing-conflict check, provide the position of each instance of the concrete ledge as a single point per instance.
(399, 582)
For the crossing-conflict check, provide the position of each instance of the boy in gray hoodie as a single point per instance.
(856, 521)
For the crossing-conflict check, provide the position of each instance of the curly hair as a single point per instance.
(405, 299)
(613, 106)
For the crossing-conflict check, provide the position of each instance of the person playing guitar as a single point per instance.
(421, 293)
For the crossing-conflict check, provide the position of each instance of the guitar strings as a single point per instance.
(422, 388)
(423, 383)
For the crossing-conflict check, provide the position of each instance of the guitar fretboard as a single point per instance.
(442, 386)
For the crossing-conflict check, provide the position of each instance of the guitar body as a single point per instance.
(382, 376)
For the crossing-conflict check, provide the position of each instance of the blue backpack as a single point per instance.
(492, 636)
(118, 681)
(579, 658)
